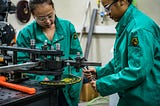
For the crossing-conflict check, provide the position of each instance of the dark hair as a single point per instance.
(33, 3)
(130, 1)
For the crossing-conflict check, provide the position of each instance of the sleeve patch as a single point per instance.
(134, 41)
(75, 35)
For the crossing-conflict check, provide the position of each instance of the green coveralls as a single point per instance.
(134, 72)
(67, 37)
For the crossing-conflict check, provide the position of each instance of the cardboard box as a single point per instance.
(87, 92)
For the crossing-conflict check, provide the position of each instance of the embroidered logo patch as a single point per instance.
(134, 41)
(75, 35)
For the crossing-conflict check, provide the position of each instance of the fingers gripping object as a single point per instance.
(92, 77)
(93, 84)
(16, 87)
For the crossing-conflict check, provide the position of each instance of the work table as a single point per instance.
(43, 96)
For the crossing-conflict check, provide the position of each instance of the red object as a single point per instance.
(16, 86)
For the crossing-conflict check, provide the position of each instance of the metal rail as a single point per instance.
(35, 51)
(91, 29)
(18, 66)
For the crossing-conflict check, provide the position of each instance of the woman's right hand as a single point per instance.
(90, 74)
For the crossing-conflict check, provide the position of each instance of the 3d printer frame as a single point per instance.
(52, 66)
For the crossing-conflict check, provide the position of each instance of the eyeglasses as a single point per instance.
(107, 7)
(44, 18)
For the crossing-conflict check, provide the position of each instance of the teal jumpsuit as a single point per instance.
(134, 71)
(67, 37)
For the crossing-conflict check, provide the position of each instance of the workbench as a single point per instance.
(45, 96)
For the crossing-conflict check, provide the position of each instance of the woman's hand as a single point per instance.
(93, 84)
(90, 74)
(46, 79)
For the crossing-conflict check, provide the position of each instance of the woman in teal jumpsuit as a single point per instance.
(48, 27)
(134, 71)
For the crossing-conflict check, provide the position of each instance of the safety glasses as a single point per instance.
(107, 7)
(45, 18)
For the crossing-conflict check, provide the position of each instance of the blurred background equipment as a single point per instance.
(23, 13)
(7, 32)
(6, 6)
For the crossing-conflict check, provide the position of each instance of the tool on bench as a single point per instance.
(16, 86)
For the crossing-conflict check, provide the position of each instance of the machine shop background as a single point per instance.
(104, 30)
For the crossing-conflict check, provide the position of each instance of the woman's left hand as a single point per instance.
(93, 84)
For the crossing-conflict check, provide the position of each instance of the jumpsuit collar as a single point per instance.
(58, 35)
(59, 28)
(124, 20)
(59, 31)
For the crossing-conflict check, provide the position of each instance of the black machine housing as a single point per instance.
(6, 6)
(7, 32)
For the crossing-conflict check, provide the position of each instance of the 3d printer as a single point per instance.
(46, 66)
